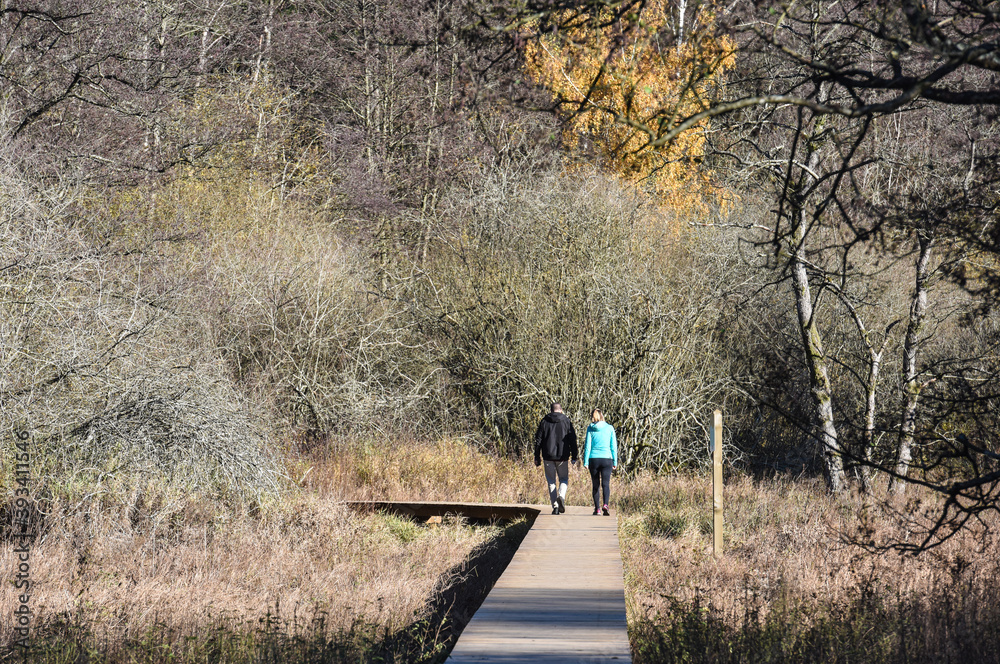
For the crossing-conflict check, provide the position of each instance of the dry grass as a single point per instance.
(185, 562)
(790, 587)
(445, 470)
(790, 582)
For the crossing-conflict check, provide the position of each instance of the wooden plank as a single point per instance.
(560, 600)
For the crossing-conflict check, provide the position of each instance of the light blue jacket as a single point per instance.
(601, 443)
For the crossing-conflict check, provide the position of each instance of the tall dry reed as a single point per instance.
(157, 558)
(794, 585)
(443, 470)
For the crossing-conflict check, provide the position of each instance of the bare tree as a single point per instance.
(815, 88)
(101, 362)
(571, 288)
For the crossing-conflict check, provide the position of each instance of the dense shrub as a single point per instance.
(573, 288)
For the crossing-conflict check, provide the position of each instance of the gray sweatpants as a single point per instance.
(554, 469)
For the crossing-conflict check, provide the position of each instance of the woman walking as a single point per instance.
(600, 456)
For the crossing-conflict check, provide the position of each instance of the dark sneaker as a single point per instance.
(605, 511)
(555, 510)
(596, 511)
(562, 504)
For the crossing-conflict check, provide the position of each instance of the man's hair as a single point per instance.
(556, 408)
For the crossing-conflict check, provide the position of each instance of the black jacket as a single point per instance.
(555, 439)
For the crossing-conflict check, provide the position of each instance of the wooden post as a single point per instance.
(716, 445)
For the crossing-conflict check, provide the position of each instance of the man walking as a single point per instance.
(555, 443)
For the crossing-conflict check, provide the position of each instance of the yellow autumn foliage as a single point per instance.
(625, 89)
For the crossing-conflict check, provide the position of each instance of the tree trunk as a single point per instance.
(264, 43)
(681, 11)
(819, 379)
(875, 364)
(912, 385)
(867, 451)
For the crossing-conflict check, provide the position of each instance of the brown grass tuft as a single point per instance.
(183, 561)
(792, 579)
(445, 470)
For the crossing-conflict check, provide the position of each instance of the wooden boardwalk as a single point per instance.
(561, 599)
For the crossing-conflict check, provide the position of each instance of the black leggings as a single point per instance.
(600, 474)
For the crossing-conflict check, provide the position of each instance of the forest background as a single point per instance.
(246, 242)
